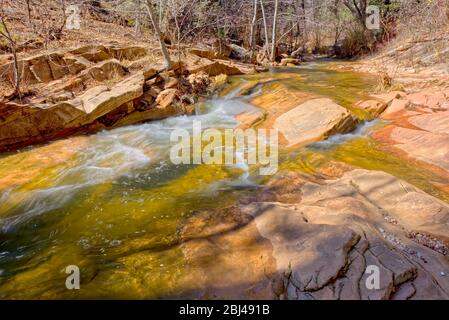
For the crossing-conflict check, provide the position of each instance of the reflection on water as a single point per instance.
(112, 202)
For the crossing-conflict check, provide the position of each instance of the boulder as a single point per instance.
(373, 107)
(395, 107)
(313, 121)
(238, 52)
(216, 68)
(167, 97)
(290, 62)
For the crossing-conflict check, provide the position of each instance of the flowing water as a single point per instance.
(111, 203)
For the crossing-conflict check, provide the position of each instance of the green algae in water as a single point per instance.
(123, 238)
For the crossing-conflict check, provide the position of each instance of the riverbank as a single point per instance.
(86, 89)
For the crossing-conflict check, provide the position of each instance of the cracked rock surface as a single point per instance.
(324, 246)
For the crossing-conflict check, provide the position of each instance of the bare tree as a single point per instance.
(252, 38)
(265, 28)
(165, 54)
(5, 33)
(273, 37)
(358, 10)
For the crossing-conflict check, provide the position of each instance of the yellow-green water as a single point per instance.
(112, 203)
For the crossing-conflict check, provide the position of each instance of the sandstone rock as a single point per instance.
(171, 83)
(216, 68)
(101, 100)
(395, 107)
(149, 73)
(24, 125)
(412, 208)
(39, 67)
(151, 114)
(149, 97)
(278, 99)
(108, 69)
(204, 53)
(432, 122)
(373, 107)
(167, 97)
(96, 54)
(76, 64)
(290, 61)
(57, 65)
(250, 118)
(314, 120)
(324, 243)
(426, 146)
(153, 91)
(130, 53)
(426, 138)
(429, 98)
(227, 258)
(387, 98)
(87, 48)
(311, 255)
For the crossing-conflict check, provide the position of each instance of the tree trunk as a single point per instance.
(12, 45)
(29, 11)
(273, 37)
(267, 40)
(165, 54)
(252, 38)
(358, 10)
